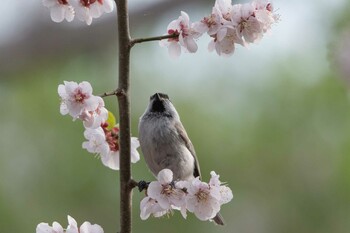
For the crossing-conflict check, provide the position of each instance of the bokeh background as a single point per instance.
(273, 120)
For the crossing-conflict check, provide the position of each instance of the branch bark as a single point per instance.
(140, 40)
(124, 43)
(115, 92)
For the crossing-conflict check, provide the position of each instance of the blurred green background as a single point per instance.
(273, 120)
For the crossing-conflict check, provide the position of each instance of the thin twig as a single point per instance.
(133, 183)
(155, 38)
(115, 92)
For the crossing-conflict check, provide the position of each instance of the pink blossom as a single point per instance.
(149, 206)
(76, 98)
(186, 36)
(225, 192)
(86, 10)
(210, 24)
(94, 119)
(72, 227)
(45, 228)
(86, 227)
(203, 200)
(247, 25)
(264, 12)
(105, 143)
(165, 192)
(228, 25)
(226, 45)
(96, 143)
(224, 7)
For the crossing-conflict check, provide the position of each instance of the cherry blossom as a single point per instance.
(186, 36)
(223, 7)
(227, 24)
(45, 228)
(96, 143)
(203, 200)
(226, 45)
(166, 193)
(105, 143)
(86, 10)
(77, 98)
(94, 119)
(59, 10)
(225, 192)
(247, 25)
(264, 12)
(149, 206)
(86, 227)
(111, 158)
(72, 227)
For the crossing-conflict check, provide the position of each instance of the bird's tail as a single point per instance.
(218, 219)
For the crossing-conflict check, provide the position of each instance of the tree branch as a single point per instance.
(140, 40)
(108, 94)
(124, 42)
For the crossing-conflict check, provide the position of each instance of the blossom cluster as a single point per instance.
(72, 227)
(101, 131)
(85, 10)
(198, 197)
(227, 25)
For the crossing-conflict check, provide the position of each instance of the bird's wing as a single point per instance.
(183, 135)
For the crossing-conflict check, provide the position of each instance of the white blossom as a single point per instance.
(149, 206)
(203, 200)
(59, 10)
(86, 227)
(264, 12)
(225, 192)
(72, 227)
(223, 7)
(227, 24)
(45, 228)
(186, 36)
(165, 192)
(105, 143)
(86, 10)
(111, 158)
(247, 25)
(225, 46)
(76, 98)
(94, 119)
(96, 143)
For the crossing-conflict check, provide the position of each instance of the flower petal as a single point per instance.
(165, 176)
(111, 160)
(174, 50)
(57, 13)
(43, 228)
(87, 227)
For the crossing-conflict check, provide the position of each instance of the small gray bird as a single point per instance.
(165, 144)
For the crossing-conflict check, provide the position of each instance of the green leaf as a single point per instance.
(111, 120)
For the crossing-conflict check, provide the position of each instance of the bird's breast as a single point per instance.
(163, 148)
